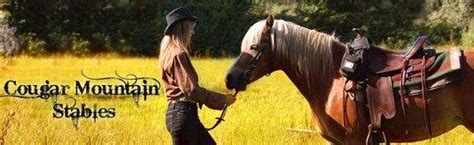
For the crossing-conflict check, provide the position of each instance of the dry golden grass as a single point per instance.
(261, 115)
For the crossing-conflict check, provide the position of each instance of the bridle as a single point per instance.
(265, 43)
(248, 73)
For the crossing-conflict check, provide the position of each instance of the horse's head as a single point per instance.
(255, 59)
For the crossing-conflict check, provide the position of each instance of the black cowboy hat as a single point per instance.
(177, 15)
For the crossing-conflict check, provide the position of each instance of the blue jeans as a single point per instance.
(183, 123)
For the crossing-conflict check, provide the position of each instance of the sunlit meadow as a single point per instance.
(267, 113)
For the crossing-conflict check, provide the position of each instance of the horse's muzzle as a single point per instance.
(235, 79)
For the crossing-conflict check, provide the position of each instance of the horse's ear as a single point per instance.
(269, 22)
(268, 25)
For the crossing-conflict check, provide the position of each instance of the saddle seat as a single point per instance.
(386, 62)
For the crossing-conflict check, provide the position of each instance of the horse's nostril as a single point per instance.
(248, 75)
(228, 78)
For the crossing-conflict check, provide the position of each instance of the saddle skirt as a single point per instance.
(385, 77)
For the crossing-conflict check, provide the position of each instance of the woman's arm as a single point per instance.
(188, 83)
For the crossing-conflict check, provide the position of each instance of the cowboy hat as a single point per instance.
(177, 15)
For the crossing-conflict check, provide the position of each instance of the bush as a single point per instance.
(130, 28)
(136, 27)
(31, 45)
(467, 37)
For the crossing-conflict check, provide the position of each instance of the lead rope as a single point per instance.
(221, 117)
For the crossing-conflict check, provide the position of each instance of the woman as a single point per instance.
(181, 82)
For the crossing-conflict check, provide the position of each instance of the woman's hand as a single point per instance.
(230, 99)
(217, 101)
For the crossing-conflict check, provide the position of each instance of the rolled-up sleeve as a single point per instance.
(187, 81)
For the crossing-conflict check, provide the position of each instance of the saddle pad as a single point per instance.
(443, 71)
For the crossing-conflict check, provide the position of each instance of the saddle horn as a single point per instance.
(359, 32)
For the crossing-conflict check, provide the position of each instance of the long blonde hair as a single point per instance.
(177, 39)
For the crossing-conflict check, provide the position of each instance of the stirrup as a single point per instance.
(373, 131)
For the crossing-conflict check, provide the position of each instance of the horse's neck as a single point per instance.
(301, 81)
(318, 97)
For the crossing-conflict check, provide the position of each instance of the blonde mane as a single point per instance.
(306, 51)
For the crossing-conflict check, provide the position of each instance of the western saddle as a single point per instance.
(379, 76)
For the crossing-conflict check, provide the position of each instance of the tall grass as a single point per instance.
(5, 126)
(262, 114)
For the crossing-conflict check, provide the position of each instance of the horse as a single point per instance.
(312, 60)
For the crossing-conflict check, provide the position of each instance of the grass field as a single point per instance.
(261, 115)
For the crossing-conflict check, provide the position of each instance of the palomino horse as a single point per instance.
(312, 59)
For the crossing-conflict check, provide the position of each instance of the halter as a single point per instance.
(249, 73)
(260, 48)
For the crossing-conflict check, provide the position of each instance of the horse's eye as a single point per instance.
(254, 47)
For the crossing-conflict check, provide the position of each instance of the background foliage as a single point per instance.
(135, 27)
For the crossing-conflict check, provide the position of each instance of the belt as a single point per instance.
(182, 99)
(175, 103)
